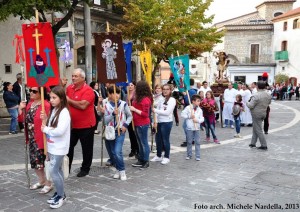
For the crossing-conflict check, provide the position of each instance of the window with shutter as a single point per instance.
(254, 53)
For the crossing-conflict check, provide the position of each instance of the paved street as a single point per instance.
(229, 177)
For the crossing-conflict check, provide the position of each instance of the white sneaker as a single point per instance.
(188, 157)
(239, 136)
(58, 202)
(116, 175)
(123, 175)
(198, 159)
(232, 127)
(156, 159)
(235, 135)
(165, 161)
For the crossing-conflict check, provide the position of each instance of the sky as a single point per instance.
(227, 9)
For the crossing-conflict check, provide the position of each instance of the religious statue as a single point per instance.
(68, 56)
(222, 64)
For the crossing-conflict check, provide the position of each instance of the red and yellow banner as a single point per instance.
(41, 61)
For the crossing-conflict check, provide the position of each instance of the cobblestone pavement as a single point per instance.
(229, 177)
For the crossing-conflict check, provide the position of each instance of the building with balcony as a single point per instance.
(286, 44)
(248, 42)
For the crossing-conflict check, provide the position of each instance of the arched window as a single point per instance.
(277, 14)
(296, 23)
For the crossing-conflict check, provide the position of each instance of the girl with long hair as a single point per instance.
(209, 107)
(164, 112)
(57, 131)
(140, 110)
(133, 142)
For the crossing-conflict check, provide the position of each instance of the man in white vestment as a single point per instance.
(229, 99)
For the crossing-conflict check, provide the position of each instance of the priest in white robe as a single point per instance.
(229, 99)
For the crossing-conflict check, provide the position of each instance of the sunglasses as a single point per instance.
(33, 91)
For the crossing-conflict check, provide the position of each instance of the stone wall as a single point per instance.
(268, 10)
(238, 43)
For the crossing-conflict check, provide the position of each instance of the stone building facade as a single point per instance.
(248, 42)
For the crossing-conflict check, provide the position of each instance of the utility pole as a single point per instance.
(88, 42)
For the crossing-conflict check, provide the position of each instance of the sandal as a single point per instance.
(36, 186)
(46, 189)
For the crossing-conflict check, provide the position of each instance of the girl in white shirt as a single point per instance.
(57, 132)
(164, 112)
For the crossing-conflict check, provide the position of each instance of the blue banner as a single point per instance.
(127, 52)
(180, 68)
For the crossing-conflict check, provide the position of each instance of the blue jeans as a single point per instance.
(14, 119)
(209, 127)
(230, 122)
(114, 149)
(237, 121)
(184, 128)
(193, 135)
(162, 138)
(56, 173)
(142, 139)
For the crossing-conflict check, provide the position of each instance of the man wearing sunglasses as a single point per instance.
(81, 97)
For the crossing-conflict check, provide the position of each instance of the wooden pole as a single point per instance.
(107, 27)
(116, 106)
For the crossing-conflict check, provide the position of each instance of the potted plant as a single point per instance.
(109, 4)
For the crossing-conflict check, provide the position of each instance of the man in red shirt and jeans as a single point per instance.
(80, 97)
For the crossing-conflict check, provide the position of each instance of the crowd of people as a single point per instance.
(71, 113)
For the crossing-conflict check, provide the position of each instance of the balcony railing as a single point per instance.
(282, 55)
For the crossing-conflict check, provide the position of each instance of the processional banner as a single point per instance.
(111, 67)
(41, 61)
(127, 51)
(180, 68)
(146, 62)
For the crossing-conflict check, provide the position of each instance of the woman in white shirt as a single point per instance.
(164, 113)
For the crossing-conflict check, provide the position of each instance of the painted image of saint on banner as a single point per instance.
(180, 69)
(111, 66)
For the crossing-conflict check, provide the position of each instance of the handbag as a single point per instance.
(65, 168)
(110, 133)
(47, 170)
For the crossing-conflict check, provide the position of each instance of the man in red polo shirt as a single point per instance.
(80, 97)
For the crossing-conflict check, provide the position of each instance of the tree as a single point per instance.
(26, 10)
(280, 78)
(168, 26)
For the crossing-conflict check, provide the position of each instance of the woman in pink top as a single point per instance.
(140, 110)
